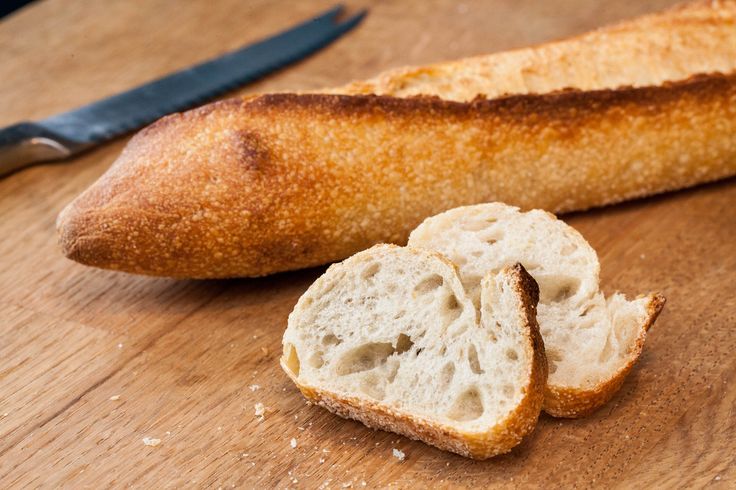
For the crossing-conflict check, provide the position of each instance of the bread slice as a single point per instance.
(591, 342)
(389, 337)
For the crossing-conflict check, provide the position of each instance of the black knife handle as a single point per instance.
(28, 143)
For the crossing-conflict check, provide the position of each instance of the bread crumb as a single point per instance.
(150, 441)
(398, 454)
(293, 443)
(115, 398)
(120, 346)
(254, 387)
(717, 478)
(5, 414)
(264, 350)
(321, 460)
(260, 410)
(363, 483)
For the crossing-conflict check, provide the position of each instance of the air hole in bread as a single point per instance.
(477, 253)
(468, 406)
(451, 309)
(307, 301)
(364, 358)
(473, 360)
(508, 391)
(331, 339)
(460, 261)
(372, 386)
(391, 288)
(292, 359)
(370, 271)
(586, 310)
(492, 237)
(316, 360)
(429, 284)
(492, 337)
(446, 374)
(555, 289)
(403, 343)
(443, 350)
(568, 249)
(474, 225)
(553, 357)
(327, 288)
(512, 355)
(392, 370)
(399, 314)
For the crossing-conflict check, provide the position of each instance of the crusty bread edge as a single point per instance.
(566, 402)
(84, 240)
(500, 439)
(382, 82)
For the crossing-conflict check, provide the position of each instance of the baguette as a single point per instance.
(591, 342)
(389, 337)
(253, 186)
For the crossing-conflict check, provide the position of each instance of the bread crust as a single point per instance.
(279, 182)
(694, 37)
(573, 402)
(507, 434)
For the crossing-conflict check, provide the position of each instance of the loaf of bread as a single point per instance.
(253, 186)
(591, 342)
(390, 337)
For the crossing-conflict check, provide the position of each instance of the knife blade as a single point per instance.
(69, 133)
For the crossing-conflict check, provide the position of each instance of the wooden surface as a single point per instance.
(92, 362)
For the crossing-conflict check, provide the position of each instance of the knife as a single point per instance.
(70, 133)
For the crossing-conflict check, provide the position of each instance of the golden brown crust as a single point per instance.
(697, 37)
(574, 403)
(280, 182)
(500, 439)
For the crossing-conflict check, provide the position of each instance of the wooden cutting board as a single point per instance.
(92, 362)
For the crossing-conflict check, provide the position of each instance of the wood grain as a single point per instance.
(180, 357)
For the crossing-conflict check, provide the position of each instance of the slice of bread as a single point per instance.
(591, 342)
(389, 337)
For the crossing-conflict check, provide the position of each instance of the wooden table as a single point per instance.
(92, 362)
